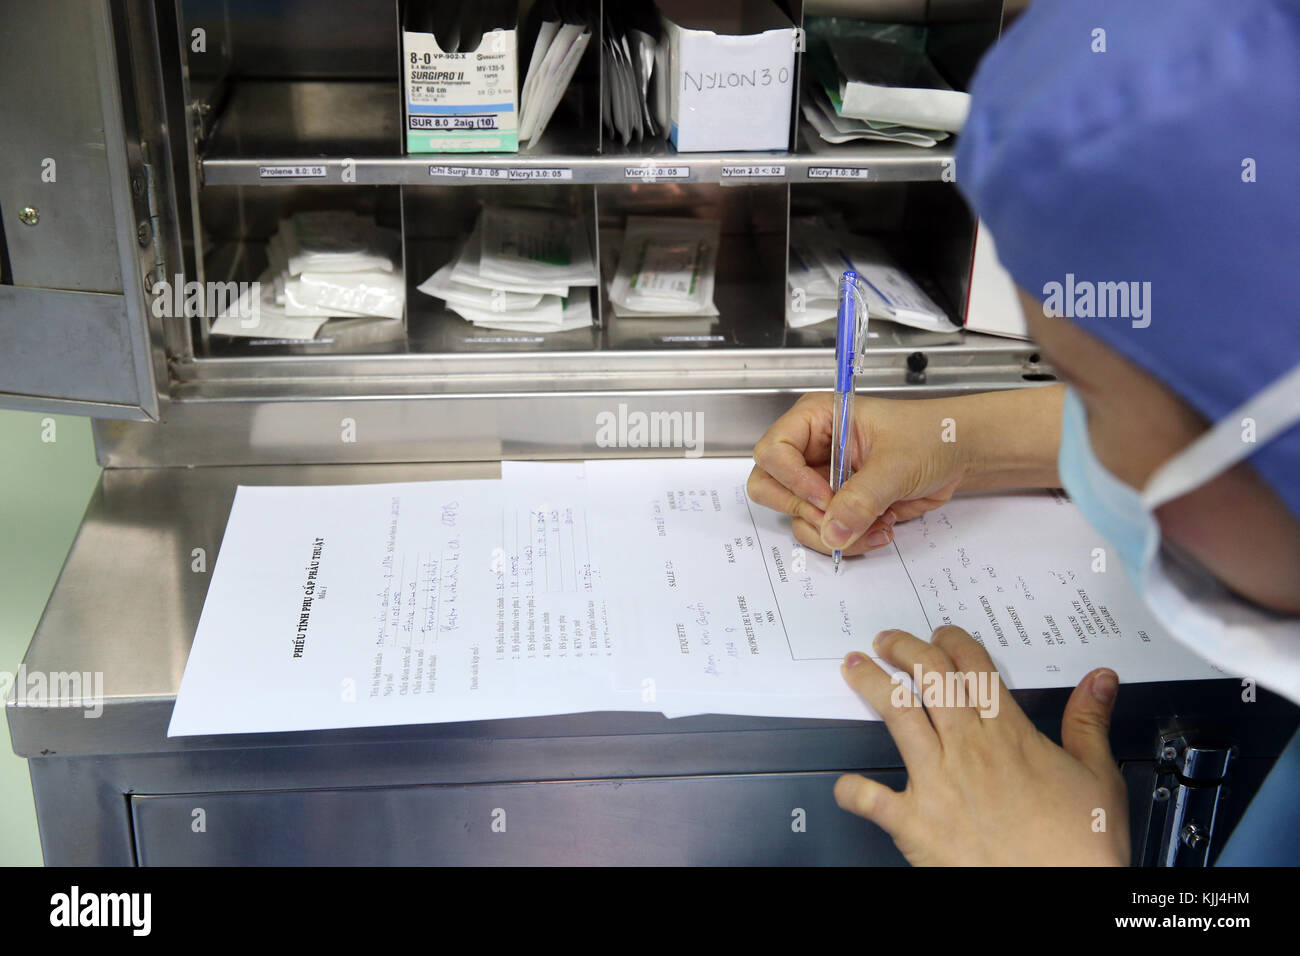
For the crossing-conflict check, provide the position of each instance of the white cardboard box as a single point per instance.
(461, 102)
(992, 305)
(733, 89)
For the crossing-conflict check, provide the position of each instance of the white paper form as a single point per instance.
(550, 478)
(347, 606)
(733, 616)
(623, 585)
(1023, 573)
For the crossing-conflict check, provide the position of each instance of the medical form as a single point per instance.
(647, 585)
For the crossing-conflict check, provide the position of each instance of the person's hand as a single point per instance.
(908, 458)
(901, 469)
(989, 790)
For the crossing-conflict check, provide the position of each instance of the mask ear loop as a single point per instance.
(1274, 410)
(860, 331)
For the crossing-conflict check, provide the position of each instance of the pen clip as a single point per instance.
(851, 281)
(860, 331)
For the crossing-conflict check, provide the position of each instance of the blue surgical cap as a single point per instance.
(1134, 141)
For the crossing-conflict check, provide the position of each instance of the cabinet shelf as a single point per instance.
(331, 133)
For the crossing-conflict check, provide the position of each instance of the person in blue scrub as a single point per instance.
(1137, 164)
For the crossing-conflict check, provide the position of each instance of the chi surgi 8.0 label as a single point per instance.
(461, 102)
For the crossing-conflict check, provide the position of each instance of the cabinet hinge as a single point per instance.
(1188, 783)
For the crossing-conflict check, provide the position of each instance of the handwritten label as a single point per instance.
(753, 172)
(735, 79)
(837, 172)
(291, 172)
(692, 338)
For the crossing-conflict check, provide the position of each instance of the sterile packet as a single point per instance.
(380, 294)
(534, 245)
(574, 313)
(623, 312)
(813, 296)
(799, 314)
(890, 292)
(467, 270)
(337, 241)
(667, 266)
(441, 285)
(257, 315)
(550, 309)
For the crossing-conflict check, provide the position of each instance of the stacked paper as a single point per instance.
(563, 31)
(869, 89)
(812, 278)
(819, 255)
(821, 108)
(634, 58)
(650, 584)
(520, 270)
(320, 265)
(891, 84)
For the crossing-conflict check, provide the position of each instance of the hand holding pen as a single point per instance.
(904, 469)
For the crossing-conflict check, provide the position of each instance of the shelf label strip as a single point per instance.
(504, 173)
(837, 172)
(753, 172)
(649, 173)
(291, 172)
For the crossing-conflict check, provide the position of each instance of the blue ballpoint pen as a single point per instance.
(846, 344)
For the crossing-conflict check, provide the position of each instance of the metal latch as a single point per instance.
(1189, 778)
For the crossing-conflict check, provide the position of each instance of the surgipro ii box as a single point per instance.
(461, 102)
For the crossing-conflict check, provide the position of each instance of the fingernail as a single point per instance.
(821, 500)
(836, 533)
(889, 517)
(853, 659)
(881, 636)
(1104, 686)
(877, 538)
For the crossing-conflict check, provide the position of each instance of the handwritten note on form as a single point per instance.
(622, 585)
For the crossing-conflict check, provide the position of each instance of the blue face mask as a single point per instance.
(1237, 637)
(1111, 506)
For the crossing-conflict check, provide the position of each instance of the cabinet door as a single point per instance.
(77, 235)
(756, 819)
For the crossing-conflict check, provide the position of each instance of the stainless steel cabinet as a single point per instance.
(732, 820)
(115, 789)
(159, 117)
(77, 231)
